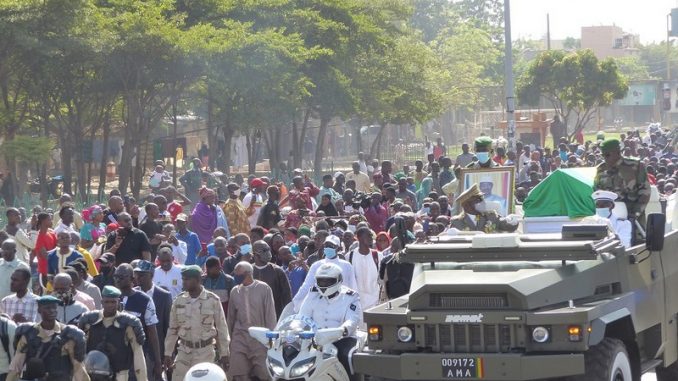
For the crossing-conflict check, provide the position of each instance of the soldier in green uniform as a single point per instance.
(475, 216)
(483, 151)
(197, 320)
(626, 177)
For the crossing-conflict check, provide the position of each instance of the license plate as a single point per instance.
(462, 367)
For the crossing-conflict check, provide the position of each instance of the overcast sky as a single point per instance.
(644, 17)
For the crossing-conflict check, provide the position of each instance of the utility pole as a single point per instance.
(508, 77)
(548, 32)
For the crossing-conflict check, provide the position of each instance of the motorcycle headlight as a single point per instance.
(276, 367)
(301, 368)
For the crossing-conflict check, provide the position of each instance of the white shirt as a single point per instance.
(180, 251)
(258, 203)
(367, 277)
(170, 280)
(346, 272)
(64, 228)
(343, 310)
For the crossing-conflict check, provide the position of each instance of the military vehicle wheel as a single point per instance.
(607, 361)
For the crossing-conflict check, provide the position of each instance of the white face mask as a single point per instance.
(481, 207)
(603, 212)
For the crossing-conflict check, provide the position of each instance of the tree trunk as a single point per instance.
(228, 139)
(125, 168)
(80, 170)
(374, 150)
(251, 155)
(104, 158)
(140, 169)
(320, 146)
(67, 163)
(212, 133)
(298, 143)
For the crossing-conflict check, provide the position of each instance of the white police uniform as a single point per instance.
(621, 226)
(340, 310)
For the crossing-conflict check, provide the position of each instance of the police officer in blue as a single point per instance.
(49, 350)
(331, 304)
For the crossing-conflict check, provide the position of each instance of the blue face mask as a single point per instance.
(483, 157)
(245, 249)
(238, 278)
(563, 155)
(330, 253)
(603, 212)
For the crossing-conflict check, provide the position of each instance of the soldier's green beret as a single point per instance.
(304, 230)
(48, 299)
(610, 145)
(400, 175)
(192, 271)
(110, 292)
(483, 142)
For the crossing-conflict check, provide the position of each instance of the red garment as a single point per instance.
(48, 241)
(651, 179)
(174, 209)
(579, 137)
(376, 216)
(499, 160)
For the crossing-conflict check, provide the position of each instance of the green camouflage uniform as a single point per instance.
(628, 179)
(488, 222)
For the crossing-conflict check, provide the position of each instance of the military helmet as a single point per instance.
(98, 366)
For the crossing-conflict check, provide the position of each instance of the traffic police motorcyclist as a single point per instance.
(119, 335)
(50, 351)
(332, 305)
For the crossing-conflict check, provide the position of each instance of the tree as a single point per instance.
(633, 68)
(571, 43)
(576, 84)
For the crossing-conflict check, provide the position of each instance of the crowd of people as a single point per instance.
(160, 284)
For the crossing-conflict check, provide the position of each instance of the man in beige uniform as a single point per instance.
(251, 305)
(197, 321)
(118, 335)
(63, 361)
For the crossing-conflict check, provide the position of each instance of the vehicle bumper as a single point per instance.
(496, 366)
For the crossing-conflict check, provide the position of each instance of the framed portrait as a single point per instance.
(497, 185)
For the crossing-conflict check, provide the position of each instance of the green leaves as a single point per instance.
(28, 149)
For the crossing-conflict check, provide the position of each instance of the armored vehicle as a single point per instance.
(575, 305)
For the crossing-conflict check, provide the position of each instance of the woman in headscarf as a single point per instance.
(204, 216)
(383, 241)
(94, 228)
(327, 206)
(424, 190)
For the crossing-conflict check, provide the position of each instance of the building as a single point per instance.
(609, 41)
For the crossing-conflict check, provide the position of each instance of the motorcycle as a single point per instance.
(298, 350)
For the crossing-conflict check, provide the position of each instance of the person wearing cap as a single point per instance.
(330, 255)
(271, 274)
(162, 299)
(625, 176)
(63, 361)
(141, 305)
(118, 335)
(483, 151)
(207, 216)
(234, 210)
(191, 239)
(605, 203)
(198, 325)
(106, 270)
(475, 215)
(254, 200)
(486, 184)
(251, 305)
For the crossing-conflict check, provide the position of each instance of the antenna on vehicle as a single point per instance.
(570, 303)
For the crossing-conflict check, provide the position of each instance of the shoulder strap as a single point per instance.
(375, 258)
(350, 257)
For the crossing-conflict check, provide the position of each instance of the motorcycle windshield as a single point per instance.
(289, 330)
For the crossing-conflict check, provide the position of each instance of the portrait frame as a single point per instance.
(502, 195)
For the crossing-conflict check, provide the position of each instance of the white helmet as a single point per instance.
(328, 279)
(205, 371)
